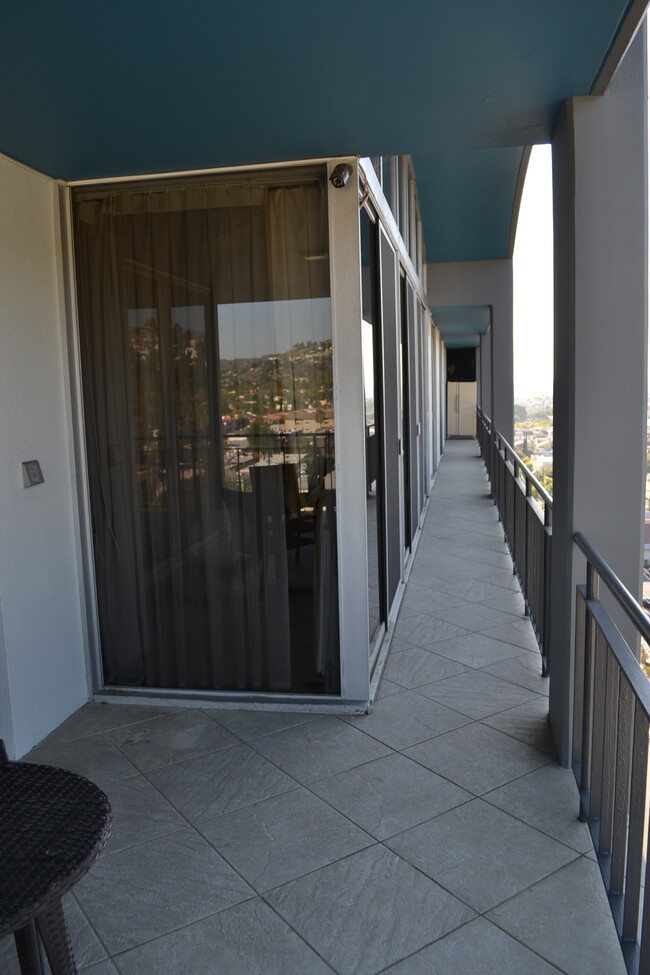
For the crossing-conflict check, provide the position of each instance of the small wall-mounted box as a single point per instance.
(32, 473)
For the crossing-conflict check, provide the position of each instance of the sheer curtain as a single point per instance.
(206, 353)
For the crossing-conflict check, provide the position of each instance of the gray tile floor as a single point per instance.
(434, 836)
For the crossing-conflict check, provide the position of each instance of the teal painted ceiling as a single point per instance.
(97, 89)
(463, 318)
(462, 325)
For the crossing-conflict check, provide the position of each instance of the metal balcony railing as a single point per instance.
(611, 723)
(526, 511)
(611, 693)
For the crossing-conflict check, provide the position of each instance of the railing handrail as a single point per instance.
(528, 474)
(611, 694)
(517, 461)
(619, 591)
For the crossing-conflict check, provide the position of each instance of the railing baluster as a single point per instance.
(622, 789)
(546, 612)
(587, 700)
(578, 676)
(608, 778)
(528, 582)
(637, 825)
(515, 495)
(598, 743)
(644, 940)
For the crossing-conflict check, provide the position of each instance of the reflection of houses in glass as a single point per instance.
(266, 389)
(301, 421)
(278, 409)
(298, 379)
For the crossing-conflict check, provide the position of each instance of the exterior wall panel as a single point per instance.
(42, 643)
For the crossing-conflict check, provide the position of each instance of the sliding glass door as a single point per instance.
(392, 433)
(207, 370)
(373, 402)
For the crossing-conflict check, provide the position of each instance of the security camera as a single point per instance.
(340, 175)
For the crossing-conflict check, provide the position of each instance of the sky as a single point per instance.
(248, 330)
(533, 281)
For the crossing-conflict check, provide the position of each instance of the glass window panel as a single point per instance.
(371, 356)
(207, 360)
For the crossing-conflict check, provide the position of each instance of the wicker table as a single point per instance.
(53, 825)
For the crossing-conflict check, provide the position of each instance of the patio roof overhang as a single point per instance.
(103, 89)
(462, 325)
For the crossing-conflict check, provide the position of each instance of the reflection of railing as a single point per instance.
(526, 511)
(191, 461)
(312, 453)
(151, 471)
(611, 723)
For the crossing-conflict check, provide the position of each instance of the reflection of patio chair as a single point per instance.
(300, 514)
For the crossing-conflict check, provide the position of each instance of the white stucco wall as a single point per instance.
(484, 283)
(42, 656)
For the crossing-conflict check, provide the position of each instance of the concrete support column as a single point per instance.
(349, 419)
(484, 373)
(500, 336)
(600, 229)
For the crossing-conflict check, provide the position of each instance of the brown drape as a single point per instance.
(194, 585)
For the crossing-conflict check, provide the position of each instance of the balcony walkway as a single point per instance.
(435, 836)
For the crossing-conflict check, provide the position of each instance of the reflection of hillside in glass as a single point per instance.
(273, 408)
(189, 366)
(295, 381)
(275, 357)
(148, 411)
(278, 409)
